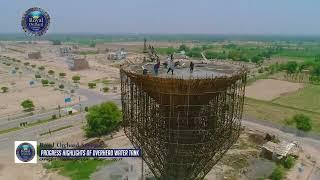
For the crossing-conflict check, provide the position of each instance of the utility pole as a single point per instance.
(59, 110)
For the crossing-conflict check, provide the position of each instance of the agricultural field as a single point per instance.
(285, 85)
(276, 113)
(307, 98)
(264, 104)
(269, 89)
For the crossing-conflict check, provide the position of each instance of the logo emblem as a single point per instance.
(35, 21)
(25, 152)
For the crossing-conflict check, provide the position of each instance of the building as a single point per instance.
(34, 55)
(274, 151)
(118, 55)
(77, 63)
(64, 51)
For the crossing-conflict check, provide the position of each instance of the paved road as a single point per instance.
(93, 98)
(33, 133)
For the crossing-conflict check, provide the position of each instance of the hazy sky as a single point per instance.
(170, 16)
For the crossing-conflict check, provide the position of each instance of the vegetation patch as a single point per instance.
(103, 119)
(76, 169)
(307, 98)
(278, 114)
(9, 130)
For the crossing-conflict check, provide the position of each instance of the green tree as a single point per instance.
(194, 52)
(26, 63)
(277, 173)
(166, 50)
(37, 76)
(41, 68)
(92, 85)
(62, 74)
(61, 86)
(184, 47)
(52, 83)
(289, 162)
(316, 70)
(303, 122)
(291, 67)
(244, 58)
(27, 105)
(86, 109)
(234, 55)
(211, 55)
(51, 72)
(103, 119)
(4, 89)
(76, 79)
(33, 66)
(44, 82)
(256, 59)
(105, 89)
(222, 56)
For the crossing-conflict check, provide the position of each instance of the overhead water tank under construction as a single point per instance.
(183, 124)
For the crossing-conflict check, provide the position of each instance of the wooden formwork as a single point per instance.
(183, 126)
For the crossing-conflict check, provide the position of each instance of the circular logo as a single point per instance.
(35, 21)
(25, 152)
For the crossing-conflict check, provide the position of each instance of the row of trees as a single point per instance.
(51, 72)
(312, 67)
(232, 52)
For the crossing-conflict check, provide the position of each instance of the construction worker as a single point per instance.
(191, 67)
(170, 64)
(156, 67)
(144, 70)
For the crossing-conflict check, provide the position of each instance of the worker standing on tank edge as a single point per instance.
(144, 70)
(191, 67)
(156, 67)
(170, 64)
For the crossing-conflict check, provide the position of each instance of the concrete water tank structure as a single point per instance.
(183, 123)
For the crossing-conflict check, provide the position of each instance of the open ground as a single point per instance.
(269, 89)
(20, 90)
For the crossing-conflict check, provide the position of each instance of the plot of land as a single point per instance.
(269, 89)
(269, 111)
(307, 98)
(20, 90)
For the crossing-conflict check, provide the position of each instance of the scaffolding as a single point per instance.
(183, 126)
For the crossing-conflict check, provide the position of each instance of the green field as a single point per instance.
(276, 113)
(307, 98)
(76, 169)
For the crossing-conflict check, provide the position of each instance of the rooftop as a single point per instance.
(182, 71)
